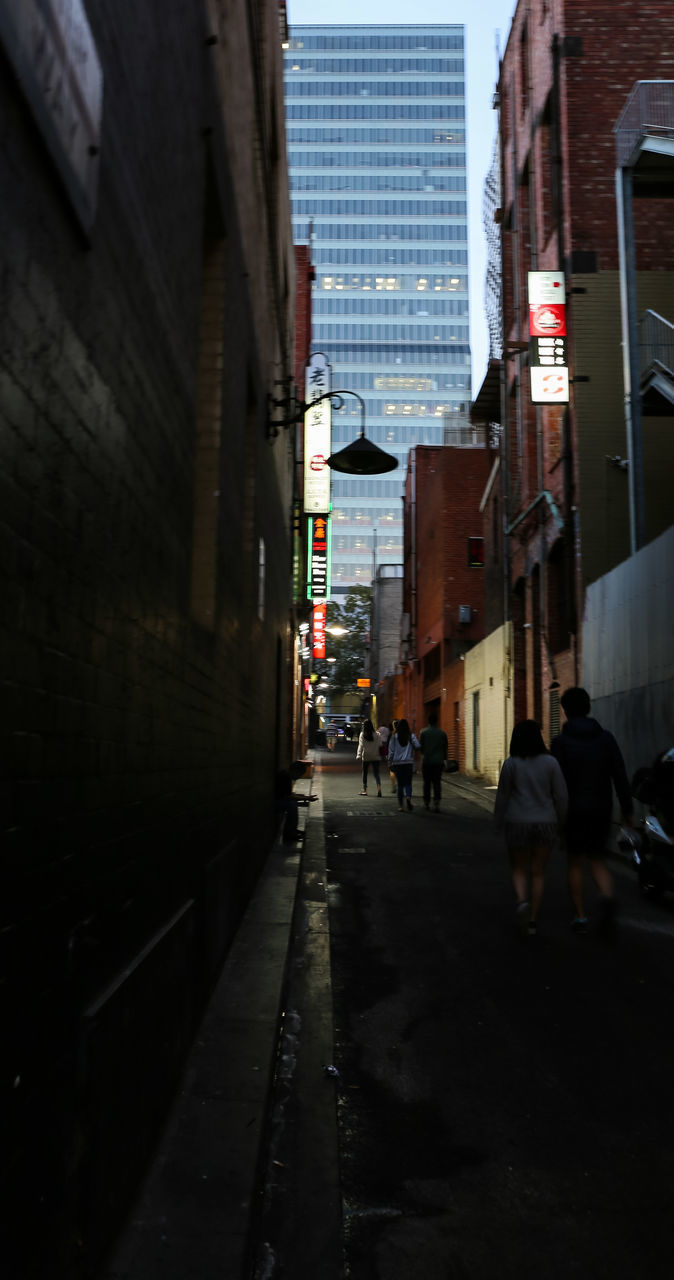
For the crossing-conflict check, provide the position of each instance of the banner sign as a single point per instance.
(317, 436)
(318, 575)
(320, 611)
(547, 338)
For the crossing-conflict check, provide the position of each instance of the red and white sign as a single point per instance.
(547, 331)
(319, 629)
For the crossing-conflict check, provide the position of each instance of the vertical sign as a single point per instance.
(318, 568)
(547, 338)
(319, 618)
(317, 424)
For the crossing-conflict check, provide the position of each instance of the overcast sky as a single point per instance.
(483, 20)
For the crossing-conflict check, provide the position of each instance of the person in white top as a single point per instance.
(530, 807)
(402, 745)
(369, 744)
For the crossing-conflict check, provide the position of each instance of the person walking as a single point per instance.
(531, 804)
(592, 764)
(433, 743)
(402, 745)
(391, 730)
(369, 744)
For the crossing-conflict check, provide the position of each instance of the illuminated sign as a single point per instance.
(363, 684)
(318, 568)
(319, 616)
(548, 364)
(317, 436)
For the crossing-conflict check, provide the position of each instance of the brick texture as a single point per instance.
(145, 682)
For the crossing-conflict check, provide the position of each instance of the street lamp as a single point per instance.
(360, 458)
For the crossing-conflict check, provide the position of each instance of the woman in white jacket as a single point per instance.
(531, 804)
(402, 745)
(369, 743)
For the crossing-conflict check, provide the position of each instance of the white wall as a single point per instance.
(628, 651)
(488, 671)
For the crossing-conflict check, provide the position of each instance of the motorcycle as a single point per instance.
(652, 843)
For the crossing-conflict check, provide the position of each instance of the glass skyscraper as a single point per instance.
(376, 129)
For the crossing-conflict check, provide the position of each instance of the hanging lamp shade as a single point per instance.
(362, 458)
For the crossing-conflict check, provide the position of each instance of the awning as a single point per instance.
(487, 406)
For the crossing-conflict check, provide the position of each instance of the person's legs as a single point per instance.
(575, 874)
(399, 775)
(364, 774)
(601, 875)
(436, 779)
(375, 770)
(519, 867)
(539, 860)
(426, 774)
(407, 783)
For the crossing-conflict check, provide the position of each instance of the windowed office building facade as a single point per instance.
(376, 133)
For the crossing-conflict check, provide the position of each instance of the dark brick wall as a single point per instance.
(140, 746)
(443, 490)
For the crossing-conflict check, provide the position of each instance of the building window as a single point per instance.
(476, 553)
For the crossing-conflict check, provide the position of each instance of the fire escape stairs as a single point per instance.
(656, 343)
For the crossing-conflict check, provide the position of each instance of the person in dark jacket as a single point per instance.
(433, 742)
(592, 764)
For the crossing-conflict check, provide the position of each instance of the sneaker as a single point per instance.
(426, 805)
(363, 793)
(436, 806)
(580, 924)
(531, 929)
(410, 806)
(400, 809)
(378, 791)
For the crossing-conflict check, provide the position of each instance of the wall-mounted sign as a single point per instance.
(319, 619)
(362, 684)
(547, 338)
(52, 51)
(318, 568)
(317, 435)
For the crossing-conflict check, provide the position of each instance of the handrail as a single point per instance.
(656, 342)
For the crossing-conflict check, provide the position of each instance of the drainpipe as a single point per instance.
(631, 371)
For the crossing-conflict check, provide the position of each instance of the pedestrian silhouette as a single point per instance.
(531, 803)
(592, 764)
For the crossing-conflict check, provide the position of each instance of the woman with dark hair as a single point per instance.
(369, 743)
(531, 804)
(402, 745)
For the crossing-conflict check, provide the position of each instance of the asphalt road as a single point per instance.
(503, 1106)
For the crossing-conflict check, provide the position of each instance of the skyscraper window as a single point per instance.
(377, 151)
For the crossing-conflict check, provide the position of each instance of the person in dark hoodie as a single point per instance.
(592, 764)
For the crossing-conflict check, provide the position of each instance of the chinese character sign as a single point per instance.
(317, 431)
(547, 338)
(319, 616)
(318, 569)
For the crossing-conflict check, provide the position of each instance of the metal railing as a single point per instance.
(648, 112)
(656, 343)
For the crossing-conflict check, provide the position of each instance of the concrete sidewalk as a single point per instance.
(215, 1185)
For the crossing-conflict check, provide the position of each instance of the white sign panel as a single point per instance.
(317, 435)
(51, 48)
(549, 386)
(547, 338)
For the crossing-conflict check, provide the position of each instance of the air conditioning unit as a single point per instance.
(465, 613)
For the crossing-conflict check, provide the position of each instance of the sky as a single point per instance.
(485, 21)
